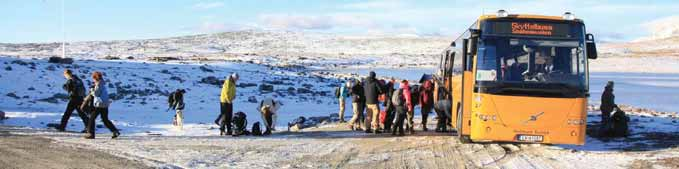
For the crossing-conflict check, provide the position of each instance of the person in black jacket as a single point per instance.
(358, 105)
(372, 91)
(76, 93)
(607, 103)
(178, 105)
(389, 108)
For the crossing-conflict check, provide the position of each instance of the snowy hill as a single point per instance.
(663, 41)
(255, 46)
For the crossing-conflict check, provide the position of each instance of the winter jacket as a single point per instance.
(228, 91)
(372, 89)
(75, 88)
(427, 94)
(273, 105)
(407, 95)
(415, 95)
(357, 94)
(389, 89)
(100, 94)
(178, 101)
(607, 100)
(344, 92)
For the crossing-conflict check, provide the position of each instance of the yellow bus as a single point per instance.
(519, 78)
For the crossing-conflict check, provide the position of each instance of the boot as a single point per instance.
(115, 135)
(222, 133)
(368, 130)
(89, 136)
(424, 127)
(267, 132)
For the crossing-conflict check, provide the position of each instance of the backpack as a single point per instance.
(620, 126)
(337, 92)
(240, 123)
(79, 88)
(256, 131)
(170, 99)
(397, 98)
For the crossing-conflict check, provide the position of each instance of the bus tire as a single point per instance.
(465, 139)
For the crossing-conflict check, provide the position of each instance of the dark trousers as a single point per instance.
(425, 110)
(268, 116)
(73, 104)
(389, 119)
(400, 118)
(104, 118)
(226, 112)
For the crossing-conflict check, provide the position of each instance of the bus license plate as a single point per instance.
(529, 138)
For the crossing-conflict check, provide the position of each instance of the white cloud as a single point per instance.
(376, 5)
(313, 22)
(208, 5)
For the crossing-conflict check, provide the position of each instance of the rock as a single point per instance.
(165, 71)
(177, 79)
(8, 68)
(130, 58)
(205, 69)
(51, 68)
(303, 91)
(163, 59)
(31, 89)
(252, 99)
(109, 57)
(265, 88)
(53, 125)
(19, 62)
(12, 95)
(59, 60)
(55, 98)
(308, 86)
(212, 80)
(244, 85)
(2, 115)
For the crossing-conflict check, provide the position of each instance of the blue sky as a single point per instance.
(40, 20)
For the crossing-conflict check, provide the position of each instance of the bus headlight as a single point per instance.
(568, 16)
(502, 13)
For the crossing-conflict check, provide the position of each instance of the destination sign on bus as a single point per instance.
(528, 28)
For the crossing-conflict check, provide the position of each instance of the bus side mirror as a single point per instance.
(591, 46)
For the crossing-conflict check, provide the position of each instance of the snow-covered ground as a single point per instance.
(304, 73)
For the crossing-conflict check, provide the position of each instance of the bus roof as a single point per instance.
(526, 16)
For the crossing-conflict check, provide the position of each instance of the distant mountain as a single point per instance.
(663, 41)
(261, 43)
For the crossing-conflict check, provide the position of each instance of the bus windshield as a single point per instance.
(531, 65)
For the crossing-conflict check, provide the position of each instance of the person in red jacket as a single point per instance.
(426, 101)
(409, 106)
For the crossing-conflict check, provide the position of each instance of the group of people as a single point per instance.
(89, 105)
(398, 104)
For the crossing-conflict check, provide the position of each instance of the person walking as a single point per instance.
(76, 92)
(101, 103)
(401, 103)
(426, 102)
(226, 98)
(342, 94)
(372, 91)
(177, 103)
(358, 104)
(607, 103)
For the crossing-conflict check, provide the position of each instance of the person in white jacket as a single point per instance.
(268, 107)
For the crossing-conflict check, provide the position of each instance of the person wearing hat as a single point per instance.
(228, 94)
